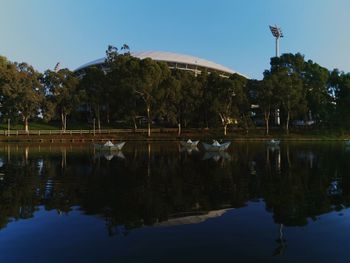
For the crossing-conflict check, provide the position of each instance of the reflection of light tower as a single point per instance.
(277, 33)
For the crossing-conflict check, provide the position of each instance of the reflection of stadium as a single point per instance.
(191, 218)
(174, 60)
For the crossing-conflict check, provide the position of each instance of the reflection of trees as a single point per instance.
(17, 195)
(300, 190)
(153, 184)
(30, 180)
(172, 185)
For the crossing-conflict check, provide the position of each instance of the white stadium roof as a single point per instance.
(171, 58)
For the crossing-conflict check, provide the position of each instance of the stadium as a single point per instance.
(174, 61)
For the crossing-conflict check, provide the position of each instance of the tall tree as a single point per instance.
(189, 95)
(122, 80)
(93, 84)
(7, 73)
(266, 97)
(286, 74)
(319, 100)
(205, 114)
(150, 75)
(223, 100)
(290, 95)
(181, 96)
(241, 100)
(172, 96)
(22, 92)
(340, 83)
(62, 91)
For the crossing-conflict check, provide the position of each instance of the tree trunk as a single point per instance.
(179, 129)
(63, 127)
(223, 122)
(287, 122)
(107, 114)
(135, 124)
(98, 118)
(206, 120)
(26, 126)
(246, 126)
(149, 121)
(267, 118)
(65, 122)
(91, 112)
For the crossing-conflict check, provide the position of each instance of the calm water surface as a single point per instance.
(158, 202)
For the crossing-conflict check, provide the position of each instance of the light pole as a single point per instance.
(277, 33)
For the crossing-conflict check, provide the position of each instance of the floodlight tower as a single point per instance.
(57, 67)
(277, 33)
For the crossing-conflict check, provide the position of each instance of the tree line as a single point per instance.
(128, 89)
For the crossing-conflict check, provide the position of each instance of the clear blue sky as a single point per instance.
(230, 32)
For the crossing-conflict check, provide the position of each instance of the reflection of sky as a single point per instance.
(246, 235)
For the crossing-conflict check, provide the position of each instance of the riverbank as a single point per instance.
(88, 136)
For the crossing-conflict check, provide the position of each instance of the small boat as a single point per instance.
(216, 146)
(189, 143)
(273, 142)
(109, 146)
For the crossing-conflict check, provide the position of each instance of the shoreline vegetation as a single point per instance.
(39, 135)
(296, 99)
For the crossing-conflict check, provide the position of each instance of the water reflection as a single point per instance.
(281, 242)
(189, 150)
(217, 156)
(109, 155)
(191, 218)
(152, 184)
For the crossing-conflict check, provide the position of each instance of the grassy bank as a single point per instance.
(50, 126)
(171, 135)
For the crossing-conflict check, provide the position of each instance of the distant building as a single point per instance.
(174, 61)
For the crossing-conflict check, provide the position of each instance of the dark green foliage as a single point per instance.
(21, 91)
(299, 88)
(133, 91)
(62, 94)
(227, 96)
(340, 86)
(97, 93)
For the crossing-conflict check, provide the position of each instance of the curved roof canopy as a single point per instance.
(170, 57)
